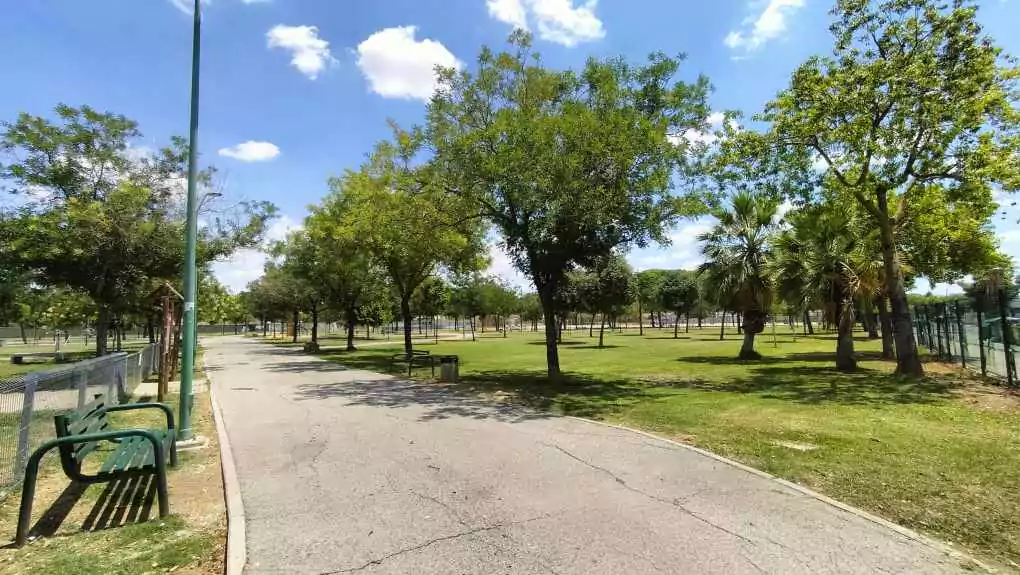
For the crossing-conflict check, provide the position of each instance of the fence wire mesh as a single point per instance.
(28, 402)
(980, 335)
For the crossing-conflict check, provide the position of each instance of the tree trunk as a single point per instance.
(660, 319)
(908, 361)
(869, 319)
(808, 328)
(552, 354)
(350, 330)
(747, 348)
(687, 325)
(722, 327)
(640, 319)
(472, 328)
(102, 330)
(405, 311)
(752, 322)
(676, 325)
(699, 320)
(24, 336)
(887, 330)
(602, 329)
(845, 339)
(591, 326)
(294, 335)
(315, 323)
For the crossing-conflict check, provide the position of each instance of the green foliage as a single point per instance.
(566, 165)
(915, 110)
(737, 251)
(94, 220)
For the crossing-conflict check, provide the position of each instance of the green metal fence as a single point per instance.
(957, 332)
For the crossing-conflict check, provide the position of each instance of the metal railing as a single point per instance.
(28, 402)
(956, 333)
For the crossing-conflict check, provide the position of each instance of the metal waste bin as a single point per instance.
(449, 368)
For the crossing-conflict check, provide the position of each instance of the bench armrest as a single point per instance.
(157, 445)
(132, 406)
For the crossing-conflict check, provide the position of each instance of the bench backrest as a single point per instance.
(91, 418)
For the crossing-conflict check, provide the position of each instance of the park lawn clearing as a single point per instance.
(941, 455)
(106, 532)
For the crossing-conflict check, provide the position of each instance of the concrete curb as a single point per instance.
(908, 533)
(236, 546)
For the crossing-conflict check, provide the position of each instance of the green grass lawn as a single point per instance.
(940, 455)
(74, 350)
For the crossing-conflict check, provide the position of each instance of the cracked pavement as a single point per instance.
(348, 471)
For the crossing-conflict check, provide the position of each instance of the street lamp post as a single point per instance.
(190, 276)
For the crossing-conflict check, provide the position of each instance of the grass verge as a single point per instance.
(940, 455)
(115, 528)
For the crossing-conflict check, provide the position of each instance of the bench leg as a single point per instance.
(161, 491)
(27, 496)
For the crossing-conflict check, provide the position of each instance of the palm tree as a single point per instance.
(737, 252)
(817, 259)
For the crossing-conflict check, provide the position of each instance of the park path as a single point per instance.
(347, 471)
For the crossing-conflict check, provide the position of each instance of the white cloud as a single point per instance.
(398, 66)
(309, 53)
(684, 251)
(510, 11)
(251, 151)
(558, 21)
(502, 267)
(247, 265)
(703, 137)
(769, 24)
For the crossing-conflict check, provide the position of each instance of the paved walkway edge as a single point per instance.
(908, 533)
(236, 546)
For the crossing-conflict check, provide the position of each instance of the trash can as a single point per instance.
(449, 368)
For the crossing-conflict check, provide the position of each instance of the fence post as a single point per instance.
(1006, 343)
(981, 343)
(938, 336)
(948, 333)
(83, 386)
(961, 335)
(24, 433)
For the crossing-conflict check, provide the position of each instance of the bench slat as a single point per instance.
(127, 451)
(86, 410)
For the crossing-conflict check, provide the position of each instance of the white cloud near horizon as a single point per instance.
(247, 265)
(310, 54)
(558, 21)
(397, 65)
(251, 151)
(769, 24)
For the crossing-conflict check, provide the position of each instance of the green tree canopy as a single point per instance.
(567, 166)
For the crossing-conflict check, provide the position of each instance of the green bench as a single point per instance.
(417, 358)
(82, 431)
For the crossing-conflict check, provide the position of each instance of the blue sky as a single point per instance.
(294, 91)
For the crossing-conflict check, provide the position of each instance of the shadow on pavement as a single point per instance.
(441, 401)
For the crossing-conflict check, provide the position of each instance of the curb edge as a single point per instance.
(236, 554)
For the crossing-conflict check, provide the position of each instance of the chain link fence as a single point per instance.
(972, 335)
(28, 402)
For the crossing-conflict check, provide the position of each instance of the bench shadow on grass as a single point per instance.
(122, 502)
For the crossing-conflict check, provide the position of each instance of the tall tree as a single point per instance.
(566, 165)
(815, 261)
(679, 294)
(646, 292)
(95, 220)
(737, 251)
(914, 101)
(410, 227)
(613, 289)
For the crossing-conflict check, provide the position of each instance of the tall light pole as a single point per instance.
(190, 275)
